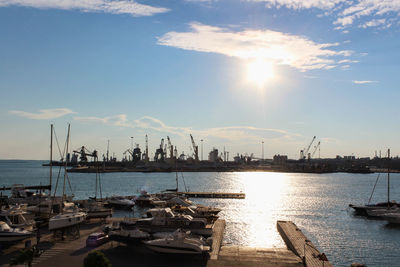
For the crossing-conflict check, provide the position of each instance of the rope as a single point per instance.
(369, 200)
(58, 145)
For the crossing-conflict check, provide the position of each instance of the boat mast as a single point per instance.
(66, 163)
(51, 155)
(388, 178)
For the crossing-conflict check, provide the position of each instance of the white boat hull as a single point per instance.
(62, 221)
(12, 237)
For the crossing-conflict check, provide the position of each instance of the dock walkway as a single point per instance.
(297, 242)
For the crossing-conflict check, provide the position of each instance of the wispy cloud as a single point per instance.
(43, 114)
(346, 13)
(373, 23)
(230, 133)
(301, 4)
(282, 48)
(364, 82)
(107, 6)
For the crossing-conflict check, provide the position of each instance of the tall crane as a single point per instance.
(195, 149)
(304, 152)
(160, 153)
(318, 146)
(170, 148)
(147, 150)
(84, 152)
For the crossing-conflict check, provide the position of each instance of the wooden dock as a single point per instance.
(297, 242)
(217, 236)
(247, 256)
(212, 195)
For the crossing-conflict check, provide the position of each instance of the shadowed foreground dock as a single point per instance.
(72, 253)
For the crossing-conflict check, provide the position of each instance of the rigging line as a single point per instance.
(183, 179)
(55, 190)
(58, 145)
(369, 200)
(98, 172)
(58, 177)
(69, 183)
(101, 193)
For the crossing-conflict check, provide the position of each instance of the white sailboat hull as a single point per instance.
(66, 220)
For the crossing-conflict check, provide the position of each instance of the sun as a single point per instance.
(259, 72)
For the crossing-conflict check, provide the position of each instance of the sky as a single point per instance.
(241, 75)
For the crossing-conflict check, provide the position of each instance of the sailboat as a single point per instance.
(373, 209)
(73, 216)
(94, 207)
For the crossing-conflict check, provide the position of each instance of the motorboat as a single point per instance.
(179, 242)
(66, 220)
(120, 203)
(146, 200)
(163, 219)
(128, 233)
(9, 234)
(19, 195)
(96, 209)
(196, 212)
(14, 217)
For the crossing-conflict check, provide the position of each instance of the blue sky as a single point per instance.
(233, 73)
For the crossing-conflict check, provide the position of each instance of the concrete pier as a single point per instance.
(297, 242)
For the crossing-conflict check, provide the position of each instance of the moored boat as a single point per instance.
(120, 203)
(66, 220)
(179, 242)
(8, 234)
(128, 233)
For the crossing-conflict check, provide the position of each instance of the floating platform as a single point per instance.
(212, 195)
(297, 242)
(247, 256)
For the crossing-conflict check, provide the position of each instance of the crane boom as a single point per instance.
(170, 148)
(147, 149)
(195, 149)
(315, 149)
(308, 148)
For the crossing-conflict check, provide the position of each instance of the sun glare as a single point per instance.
(259, 72)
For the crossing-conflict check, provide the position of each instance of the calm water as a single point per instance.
(316, 203)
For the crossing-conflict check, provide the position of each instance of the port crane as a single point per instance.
(146, 156)
(84, 153)
(136, 154)
(304, 152)
(318, 146)
(195, 149)
(160, 153)
(170, 148)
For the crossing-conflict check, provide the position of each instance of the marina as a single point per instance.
(251, 222)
